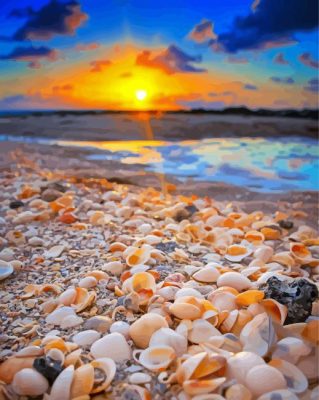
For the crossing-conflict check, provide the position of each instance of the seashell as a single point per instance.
(54, 342)
(108, 368)
(208, 396)
(61, 387)
(29, 382)
(242, 319)
(86, 338)
(6, 270)
(193, 387)
(143, 283)
(201, 331)
(296, 380)
(291, 349)
(168, 337)
(271, 232)
(142, 329)
(30, 351)
(97, 217)
(73, 358)
(241, 363)
(268, 378)
(88, 282)
(99, 323)
(56, 355)
(238, 392)
(49, 306)
(282, 394)
(276, 310)
(113, 267)
(284, 258)
(229, 322)
(255, 237)
(57, 316)
(71, 321)
(12, 365)
(122, 328)
(145, 228)
(156, 358)
(208, 274)
(83, 381)
(301, 253)
(168, 292)
(234, 280)
(98, 275)
(139, 378)
(54, 252)
(223, 301)
(236, 253)
(68, 297)
(117, 247)
(187, 307)
(113, 345)
(264, 253)
(249, 297)
(137, 255)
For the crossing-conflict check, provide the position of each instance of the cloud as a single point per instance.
(271, 23)
(54, 18)
(87, 46)
(202, 32)
(171, 60)
(306, 59)
(126, 75)
(237, 60)
(225, 93)
(249, 86)
(280, 59)
(32, 55)
(99, 65)
(63, 88)
(285, 81)
(312, 85)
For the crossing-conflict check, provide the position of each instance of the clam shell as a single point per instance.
(6, 270)
(268, 378)
(208, 274)
(30, 351)
(142, 283)
(88, 282)
(57, 316)
(296, 380)
(112, 346)
(83, 381)
(241, 363)
(70, 321)
(61, 387)
(29, 382)
(238, 392)
(156, 358)
(68, 297)
(86, 338)
(139, 378)
(236, 253)
(73, 358)
(249, 297)
(142, 329)
(276, 310)
(121, 327)
(291, 349)
(264, 253)
(11, 366)
(234, 280)
(188, 292)
(168, 337)
(283, 394)
(135, 255)
(113, 267)
(107, 365)
(196, 386)
(201, 331)
(223, 301)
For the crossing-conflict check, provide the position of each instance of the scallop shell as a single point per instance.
(236, 253)
(86, 338)
(155, 358)
(6, 270)
(168, 337)
(201, 331)
(193, 387)
(83, 381)
(208, 274)
(268, 378)
(61, 387)
(234, 280)
(296, 380)
(113, 346)
(241, 363)
(29, 382)
(108, 368)
(142, 329)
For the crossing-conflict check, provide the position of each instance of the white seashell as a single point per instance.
(291, 349)
(6, 270)
(241, 363)
(139, 378)
(30, 351)
(86, 338)
(168, 337)
(155, 358)
(264, 253)
(56, 317)
(67, 298)
(88, 282)
(145, 228)
(7, 255)
(296, 380)
(107, 365)
(54, 252)
(71, 321)
(268, 378)
(113, 267)
(121, 327)
(245, 252)
(168, 292)
(282, 394)
(29, 382)
(62, 385)
(234, 280)
(188, 292)
(36, 241)
(201, 331)
(113, 346)
(208, 274)
(143, 328)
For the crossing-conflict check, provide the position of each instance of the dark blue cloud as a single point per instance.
(32, 55)
(171, 60)
(54, 18)
(270, 23)
(306, 59)
(285, 81)
(249, 86)
(202, 32)
(312, 85)
(280, 59)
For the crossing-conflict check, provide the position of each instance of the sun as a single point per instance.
(141, 94)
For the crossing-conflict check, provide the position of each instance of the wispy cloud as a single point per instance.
(308, 60)
(312, 85)
(280, 59)
(249, 86)
(99, 65)
(32, 55)
(202, 32)
(285, 81)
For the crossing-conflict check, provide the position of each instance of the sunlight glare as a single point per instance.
(141, 94)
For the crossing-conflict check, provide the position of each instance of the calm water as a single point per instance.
(264, 165)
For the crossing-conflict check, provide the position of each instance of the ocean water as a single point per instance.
(260, 164)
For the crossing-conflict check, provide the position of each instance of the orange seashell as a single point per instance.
(63, 202)
(28, 192)
(249, 297)
(254, 237)
(83, 381)
(310, 332)
(13, 365)
(271, 233)
(194, 387)
(276, 310)
(56, 344)
(117, 246)
(67, 218)
(243, 318)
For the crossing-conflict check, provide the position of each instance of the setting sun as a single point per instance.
(141, 94)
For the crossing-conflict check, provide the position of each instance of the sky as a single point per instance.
(142, 54)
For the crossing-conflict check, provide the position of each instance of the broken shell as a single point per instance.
(142, 329)
(99, 323)
(296, 380)
(6, 270)
(83, 299)
(113, 267)
(29, 382)
(264, 253)
(249, 297)
(236, 253)
(107, 367)
(168, 337)
(241, 363)
(156, 358)
(54, 252)
(143, 283)
(88, 282)
(276, 310)
(201, 331)
(268, 378)
(113, 346)
(83, 381)
(121, 327)
(68, 297)
(208, 274)
(62, 385)
(223, 301)
(57, 316)
(137, 255)
(86, 338)
(234, 280)
(194, 387)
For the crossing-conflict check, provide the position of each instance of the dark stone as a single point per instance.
(49, 368)
(186, 213)
(285, 224)
(167, 247)
(298, 296)
(16, 204)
